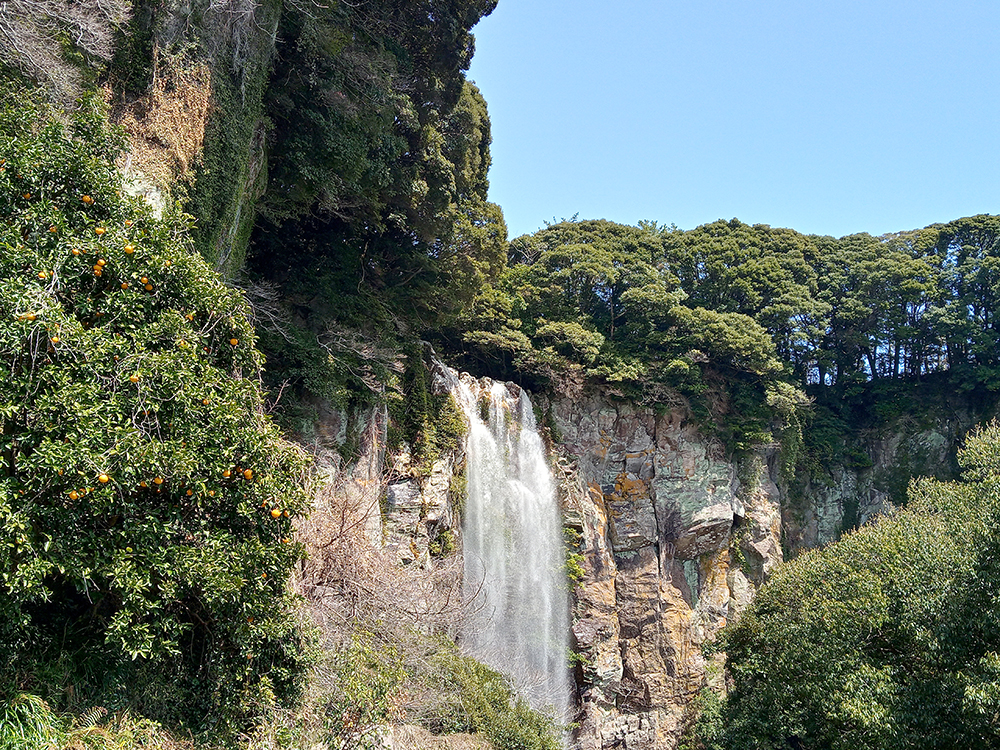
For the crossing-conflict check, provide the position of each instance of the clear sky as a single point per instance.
(826, 116)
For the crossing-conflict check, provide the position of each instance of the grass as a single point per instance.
(28, 723)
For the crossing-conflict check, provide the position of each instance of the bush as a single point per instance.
(491, 707)
(28, 723)
(886, 639)
(146, 501)
(365, 681)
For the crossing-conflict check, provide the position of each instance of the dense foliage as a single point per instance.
(857, 308)
(459, 694)
(146, 501)
(374, 224)
(744, 321)
(886, 639)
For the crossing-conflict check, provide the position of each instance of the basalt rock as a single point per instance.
(659, 510)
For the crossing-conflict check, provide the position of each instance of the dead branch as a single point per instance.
(32, 33)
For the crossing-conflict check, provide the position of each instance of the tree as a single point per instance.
(969, 253)
(884, 639)
(756, 271)
(146, 501)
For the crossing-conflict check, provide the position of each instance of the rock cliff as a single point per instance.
(675, 537)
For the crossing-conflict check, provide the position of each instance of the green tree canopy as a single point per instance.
(885, 639)
(146, 501)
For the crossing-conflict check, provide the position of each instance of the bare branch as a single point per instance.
(31, 32)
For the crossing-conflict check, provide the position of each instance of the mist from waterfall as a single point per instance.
(513, 546)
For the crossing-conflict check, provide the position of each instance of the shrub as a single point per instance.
(488, 705)
(146, 501)
(884, 639)
(365, 681)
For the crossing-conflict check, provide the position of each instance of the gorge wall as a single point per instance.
(677, 536)
(674, 537)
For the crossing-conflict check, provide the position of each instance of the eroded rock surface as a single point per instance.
(659, 508)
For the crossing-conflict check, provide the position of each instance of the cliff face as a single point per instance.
(818, 509)
(675, 538)
(674, 541)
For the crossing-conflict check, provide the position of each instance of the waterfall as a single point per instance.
(513, 547)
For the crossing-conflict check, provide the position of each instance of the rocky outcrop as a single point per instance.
(677, 536)
(673, 545)
(819, 508)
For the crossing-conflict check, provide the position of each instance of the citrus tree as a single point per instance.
(146, 501)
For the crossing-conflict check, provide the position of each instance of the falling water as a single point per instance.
(513, 546)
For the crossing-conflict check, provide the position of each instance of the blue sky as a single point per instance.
(829, 117)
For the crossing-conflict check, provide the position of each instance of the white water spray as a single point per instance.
(513, 546)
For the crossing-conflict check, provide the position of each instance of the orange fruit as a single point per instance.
(158, 480)
(143, 485)
(75, 251)
(53, 229)
(204, 401)
(42, 275)
(59, 472)
(166, 263)
(55, 339)
(103, 478)
(101, 262)
(287, 514)
(27, 196)
(248, 474)
(143, 280)
(189, 493)
(263, 575)
(234, 342)
(30, 316)
(86, 199)
(128, 222)
(134, 378)
(74, 495)
(211, 493)
(124, 285)
(149, 287)
(227, 473)
(99, 231)
(129, 249)
(276, 513)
